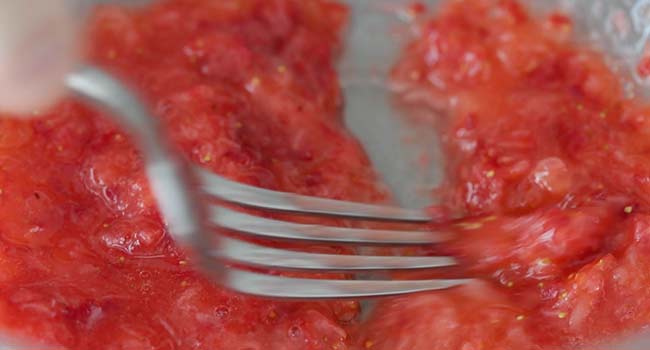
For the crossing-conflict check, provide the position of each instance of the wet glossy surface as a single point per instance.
(85, 260)
(544, 149)
(541, 146)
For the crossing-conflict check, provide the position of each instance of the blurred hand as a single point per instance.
(38, 47)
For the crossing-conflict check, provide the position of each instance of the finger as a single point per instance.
(38, 47)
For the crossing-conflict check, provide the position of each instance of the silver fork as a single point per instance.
(177, 202)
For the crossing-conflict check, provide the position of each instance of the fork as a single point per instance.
(230, 260)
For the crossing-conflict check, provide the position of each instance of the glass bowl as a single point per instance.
(620, 28)
(378, 29)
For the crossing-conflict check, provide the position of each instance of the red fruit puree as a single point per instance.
(543, 151)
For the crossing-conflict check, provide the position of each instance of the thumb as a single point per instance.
(38, 47)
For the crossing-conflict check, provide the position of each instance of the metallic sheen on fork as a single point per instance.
(177, 201)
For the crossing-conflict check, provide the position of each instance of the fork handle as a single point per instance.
(168, 176)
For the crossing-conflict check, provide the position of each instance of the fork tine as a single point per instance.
(305, 288)
(234, 250)
(250, 196)
(283, 230)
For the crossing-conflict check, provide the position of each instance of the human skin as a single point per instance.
(38, 47)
